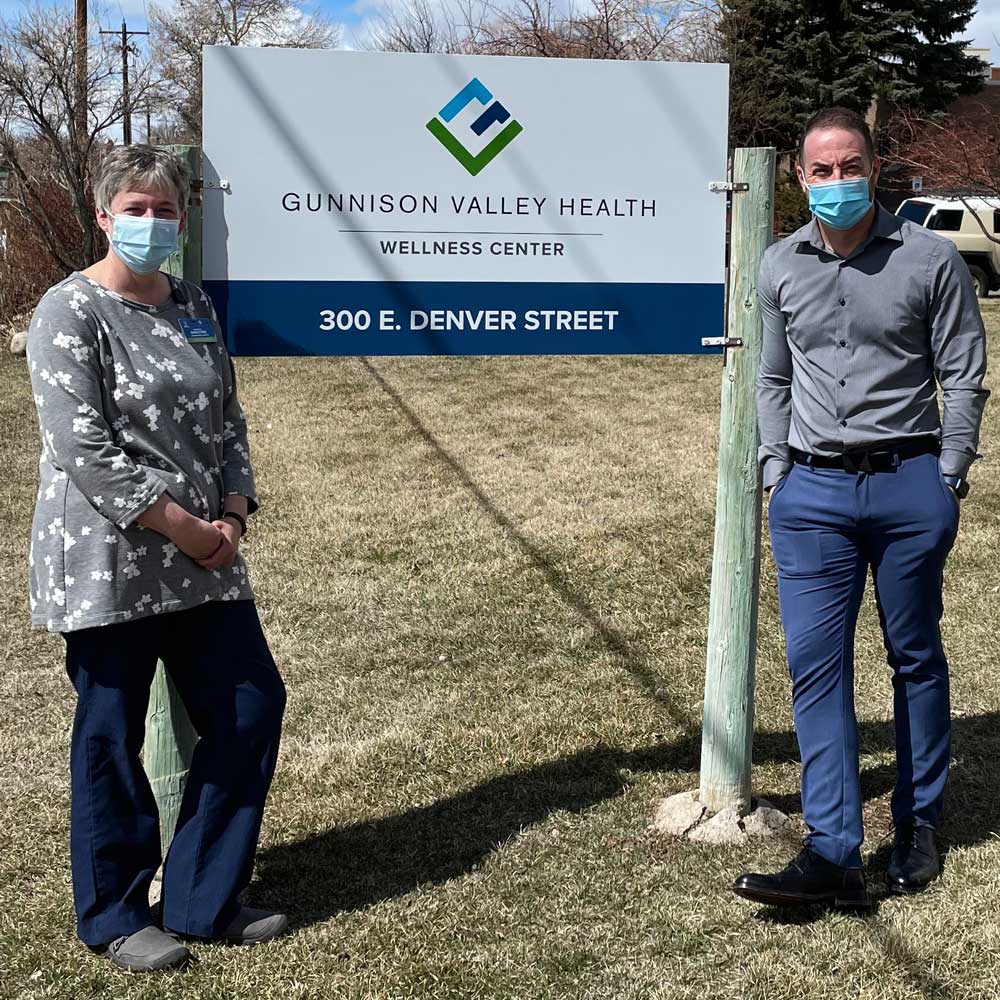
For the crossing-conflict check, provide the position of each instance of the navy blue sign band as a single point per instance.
(357, 318)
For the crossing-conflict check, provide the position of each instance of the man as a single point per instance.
(862, 312)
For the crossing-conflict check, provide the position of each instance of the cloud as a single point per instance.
(984, 27)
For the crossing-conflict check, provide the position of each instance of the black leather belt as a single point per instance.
(879, 458)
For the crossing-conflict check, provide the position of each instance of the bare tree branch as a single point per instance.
(597, 29)
(957, 154)
(39, 134)
(180, 31)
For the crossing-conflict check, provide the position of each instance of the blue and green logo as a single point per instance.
(495, 114)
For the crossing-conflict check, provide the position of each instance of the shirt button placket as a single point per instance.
(841, 349)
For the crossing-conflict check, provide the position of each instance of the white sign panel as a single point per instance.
(382, 203)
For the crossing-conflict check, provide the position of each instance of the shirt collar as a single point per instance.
(885, 226)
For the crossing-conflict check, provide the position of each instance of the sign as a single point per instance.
(918, 184)
(361, 203)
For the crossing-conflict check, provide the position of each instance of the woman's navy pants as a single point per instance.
(219, 661)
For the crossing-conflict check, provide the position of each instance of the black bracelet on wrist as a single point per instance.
(238, 517)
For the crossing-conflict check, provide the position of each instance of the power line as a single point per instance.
(125, 35)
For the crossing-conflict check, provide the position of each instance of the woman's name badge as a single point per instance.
(197, 331)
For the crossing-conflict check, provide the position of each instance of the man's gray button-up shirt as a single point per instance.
(854, 347)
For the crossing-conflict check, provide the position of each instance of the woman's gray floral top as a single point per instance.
(129, 409)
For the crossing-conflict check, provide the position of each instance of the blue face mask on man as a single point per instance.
(143, 243)
(840, 204)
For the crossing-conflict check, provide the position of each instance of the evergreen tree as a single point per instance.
(789, 58)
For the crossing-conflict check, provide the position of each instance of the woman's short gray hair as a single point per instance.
(141, 168)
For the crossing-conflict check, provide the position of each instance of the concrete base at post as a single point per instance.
(684, 815)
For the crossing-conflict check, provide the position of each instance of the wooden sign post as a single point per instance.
(727, 728)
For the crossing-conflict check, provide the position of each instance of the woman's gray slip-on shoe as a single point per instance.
(148, 950)
(251, 926)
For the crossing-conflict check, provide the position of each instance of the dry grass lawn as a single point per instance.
(486, 582)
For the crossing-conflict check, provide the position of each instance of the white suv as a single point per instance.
(962, 221)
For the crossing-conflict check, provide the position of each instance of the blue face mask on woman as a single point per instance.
(143, 243)
(840, 204)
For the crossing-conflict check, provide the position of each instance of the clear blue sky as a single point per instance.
(353, 13)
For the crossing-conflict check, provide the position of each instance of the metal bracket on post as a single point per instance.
(725, 343)
(728, 188)
(215, 185)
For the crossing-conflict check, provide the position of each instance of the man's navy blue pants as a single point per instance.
(828, 526)
(219, 661)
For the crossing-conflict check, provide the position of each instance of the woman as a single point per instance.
(146, 485)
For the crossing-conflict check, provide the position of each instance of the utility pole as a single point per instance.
(80, 109)
(125, 34)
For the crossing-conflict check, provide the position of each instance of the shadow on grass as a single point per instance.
(885, 936)
(362, 864)
(634, 662)
(357, 866)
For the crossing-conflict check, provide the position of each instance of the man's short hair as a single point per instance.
(837, 118)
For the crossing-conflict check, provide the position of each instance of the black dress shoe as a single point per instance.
(915, 860)
(807, 879)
